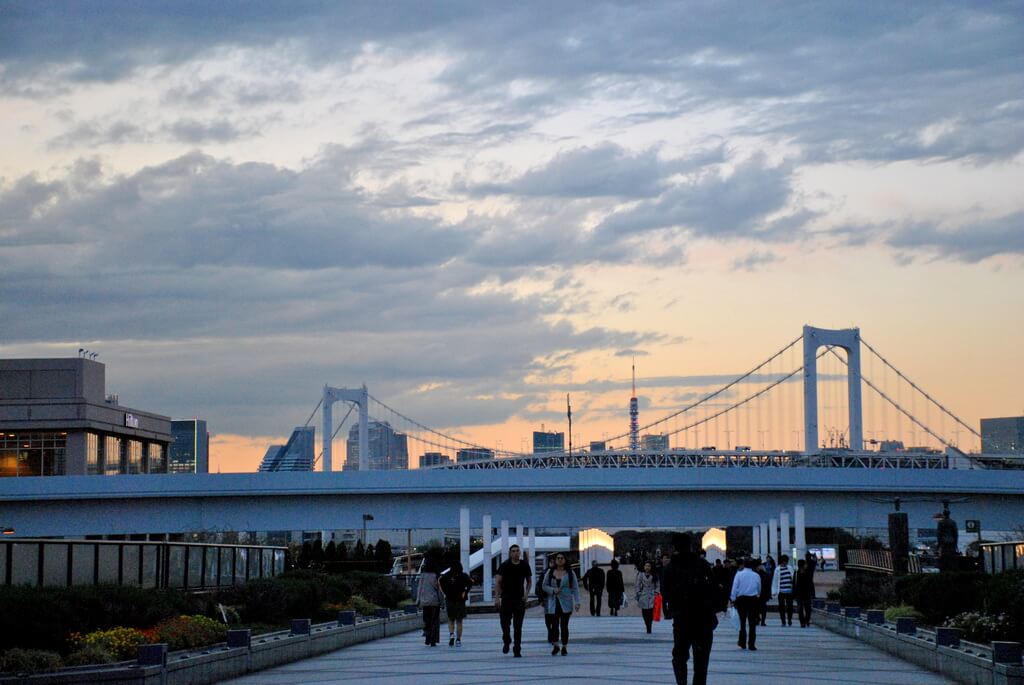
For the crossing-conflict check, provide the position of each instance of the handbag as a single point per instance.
(734, 618)
(657, 607)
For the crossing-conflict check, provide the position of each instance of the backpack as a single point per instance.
(539, 590)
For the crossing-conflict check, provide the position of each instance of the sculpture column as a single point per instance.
(773, 538)
(464, 537)
(504, 540)
(755, 545)
(800, 531)
(488, 580)
(763, 530)
(784, 546)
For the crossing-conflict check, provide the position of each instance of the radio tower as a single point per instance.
(634, 416)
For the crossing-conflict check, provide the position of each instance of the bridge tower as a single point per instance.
(849, 340)
(358, 396)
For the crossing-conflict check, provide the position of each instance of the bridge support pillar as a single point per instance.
(762, 539)
(773, 538)
(784, 544)
(504, 539)
(800, 531)
(464, 537)
(488, 541)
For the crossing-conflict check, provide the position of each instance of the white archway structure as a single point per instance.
(849, 340)
(358, 396)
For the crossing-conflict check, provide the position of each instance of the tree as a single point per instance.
(384, 556)
(359, 553)
(305, 555)
(343, 552)
(368, 554)
(331, 553)
(317, 558)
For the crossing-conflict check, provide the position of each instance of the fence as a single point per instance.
(1002, 556)
(878, 561)
(194, 566)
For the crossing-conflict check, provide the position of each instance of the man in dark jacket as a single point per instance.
(616, 589)
(593, 581)
(691, 590)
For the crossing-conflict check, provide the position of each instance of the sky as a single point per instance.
(474, 208)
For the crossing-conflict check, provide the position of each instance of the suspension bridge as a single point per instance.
(827, 398)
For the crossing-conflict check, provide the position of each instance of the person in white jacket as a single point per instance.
(783, 584)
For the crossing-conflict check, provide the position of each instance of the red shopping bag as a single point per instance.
(657, 607)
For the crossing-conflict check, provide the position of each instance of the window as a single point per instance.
(155, 458)
(92, 454)
(112, 456)
(134, 451)
(32, 453)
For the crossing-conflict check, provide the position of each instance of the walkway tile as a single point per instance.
(601, 650)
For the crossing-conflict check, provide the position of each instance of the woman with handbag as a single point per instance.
(646, 589)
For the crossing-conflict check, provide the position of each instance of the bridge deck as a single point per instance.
(601, 650)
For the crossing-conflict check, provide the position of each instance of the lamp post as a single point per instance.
(366, 517)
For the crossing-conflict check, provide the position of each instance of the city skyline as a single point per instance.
(476, 209)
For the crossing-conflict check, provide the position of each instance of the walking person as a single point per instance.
(563, 597)
(766, 592)
(429, 599)
(542, 596)
(691, 591)
(782, 588)
(455, 584)
(804, 593)
(593, 581)
(616, 588)
(646, 589)
(746, 597)
(511, 590)
(666, 606)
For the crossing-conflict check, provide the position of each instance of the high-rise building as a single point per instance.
(598, 446)
(654, 443)
(57, 419)
(473, 454)
(190, 447)
(434, 459)
(1002, 436)
(544, 441)
(296, 455)
(389, 450)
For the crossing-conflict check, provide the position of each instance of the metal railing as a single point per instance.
(187, 565)
(878, 561)
(997, 557)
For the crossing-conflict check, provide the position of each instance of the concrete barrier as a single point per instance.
(963, 662)
(221, 662)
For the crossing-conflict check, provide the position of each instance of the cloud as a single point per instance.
(970, 243)
(754, 260)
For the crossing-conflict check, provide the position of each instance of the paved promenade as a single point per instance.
(601, 650)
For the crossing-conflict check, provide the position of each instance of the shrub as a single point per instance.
(980, 627)
(867, 591)
(259, 601)
(1005, 595)
(188, 632)
(359, 605)
(939, 596)
(902, 611)
(122, 643)
(89, 655)
(29, 661)
(379, 589)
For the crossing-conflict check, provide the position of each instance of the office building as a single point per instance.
(297, 455)
(597, 446)
(56, 419)
(389, 449)
(1002, 436)
(190, 447)
(434, 459)
(654, 443)
(473, 454)
(544, 441)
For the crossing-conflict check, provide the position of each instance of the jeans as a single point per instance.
(512, 612)
(595, 600)
(558, 622)
(432, 624)
(786, 607)
(686, 638)
(749, 609)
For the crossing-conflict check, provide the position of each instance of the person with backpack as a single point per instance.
(692, 592)
(563, 597)
(593, 582)
(455, 584)
(616, 588)
(542, 596)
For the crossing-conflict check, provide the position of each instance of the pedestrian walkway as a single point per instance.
(601, 650)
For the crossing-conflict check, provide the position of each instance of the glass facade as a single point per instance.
(92, 454)
(155, 459)
(32, 453)
(112, 455)
(190, 447)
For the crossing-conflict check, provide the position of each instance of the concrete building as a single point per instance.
(598, 446)
(479, 454)
(1002, 436)
(388, 449)
(654, 443)
(434, 459)
(56, 419)
(296, 455)
(544, 441)
(190, 449)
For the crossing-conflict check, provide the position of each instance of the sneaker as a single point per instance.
(451, 640)
(517, 654)
(458, 643)
(554, 649)
(564, 651)
(504, 648)
(752, 648)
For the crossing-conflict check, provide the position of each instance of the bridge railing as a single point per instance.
(997, 557)
(188, 565)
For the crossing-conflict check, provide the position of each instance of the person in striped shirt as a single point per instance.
(782, 588)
